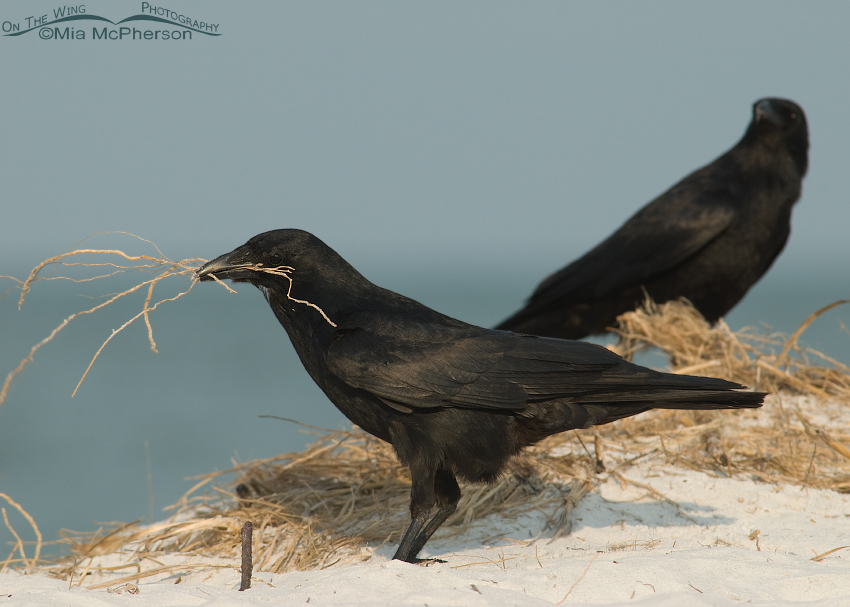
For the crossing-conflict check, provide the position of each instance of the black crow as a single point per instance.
(453, 399)
(709, 238)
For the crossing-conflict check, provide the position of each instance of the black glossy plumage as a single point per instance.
(453, 399)
(709, 238)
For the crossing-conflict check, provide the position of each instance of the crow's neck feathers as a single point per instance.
(315, 294)
(773, 145)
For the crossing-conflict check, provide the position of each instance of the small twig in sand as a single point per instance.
(754, 536)
(247, 559)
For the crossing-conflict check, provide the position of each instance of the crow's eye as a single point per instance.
(275, 259)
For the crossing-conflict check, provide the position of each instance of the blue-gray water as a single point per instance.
(223, 362)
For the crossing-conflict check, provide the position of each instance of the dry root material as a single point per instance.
(118, 262)
(161, 266)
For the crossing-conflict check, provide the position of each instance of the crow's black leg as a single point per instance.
(422, 500)
(448, 495)
(404, 552)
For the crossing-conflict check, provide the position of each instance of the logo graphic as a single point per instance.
(71, 16)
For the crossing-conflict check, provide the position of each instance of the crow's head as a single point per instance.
(781, 123)
(268, 255)
(295, 271)
(781, 114)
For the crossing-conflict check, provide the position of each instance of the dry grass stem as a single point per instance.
(581, 577)
(20, 544)
(792, 341)
(158, 571)
(822, 556)
(144, 312)
(286, 272)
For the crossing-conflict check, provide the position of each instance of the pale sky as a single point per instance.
(516, 133)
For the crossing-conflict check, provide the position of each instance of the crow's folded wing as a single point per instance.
(437, 366)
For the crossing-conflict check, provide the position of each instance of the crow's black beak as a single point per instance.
(766, 110)
(221, 267)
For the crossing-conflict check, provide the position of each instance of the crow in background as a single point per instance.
(453, 399)
(709, 238)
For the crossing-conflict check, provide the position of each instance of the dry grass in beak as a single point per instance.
(116, 262)
(286, 272)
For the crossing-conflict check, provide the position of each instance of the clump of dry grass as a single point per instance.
(775, 444)
(322, 507)
(766, 362)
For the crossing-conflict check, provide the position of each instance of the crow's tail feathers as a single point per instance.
(606, 408)
(636, 386)
(662, 398)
